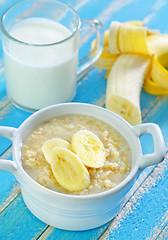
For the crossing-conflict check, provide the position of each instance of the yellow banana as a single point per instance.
(89, 148)
(153, 88)
(68, 170)
(124, 86)
(159, 74)
(50, 144)
(133, 37)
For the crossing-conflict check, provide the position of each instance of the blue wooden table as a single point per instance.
(145, 214)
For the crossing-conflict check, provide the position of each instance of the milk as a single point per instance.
(41, 73)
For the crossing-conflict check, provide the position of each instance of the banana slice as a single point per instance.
(89, 148)
(50, 144)
(69, 170)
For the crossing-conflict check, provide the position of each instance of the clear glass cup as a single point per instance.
(42, 73)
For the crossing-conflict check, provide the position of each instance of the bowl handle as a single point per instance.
(159, 144)
(7, 165)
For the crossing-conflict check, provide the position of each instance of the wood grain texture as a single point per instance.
(149, 203)
(18, 222)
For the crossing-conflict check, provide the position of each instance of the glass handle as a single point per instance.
(97, 26)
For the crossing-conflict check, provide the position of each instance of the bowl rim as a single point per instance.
(21, 173)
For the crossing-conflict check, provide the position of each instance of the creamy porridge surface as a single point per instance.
(116, 167)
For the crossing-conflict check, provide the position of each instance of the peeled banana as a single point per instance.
(124, 86)
(68, 170)
(50, 144)
(89, 148)
(149, 49)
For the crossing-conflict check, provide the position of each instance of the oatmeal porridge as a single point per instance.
(110, 171)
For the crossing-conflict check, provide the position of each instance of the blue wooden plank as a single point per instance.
(2, 85)
(9, 115)
(17, 222)
(12, 117)
(163, 234)
(8, 184)
(91, 87)
(147, 102)
(143, 212)
(159, 115)
(70, 235)
(127, 11)
(157, 19)
(9, 187)
(97, 6)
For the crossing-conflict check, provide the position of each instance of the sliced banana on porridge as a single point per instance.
(50, 144)
(92, 165)
(89, 148)
(68, 170)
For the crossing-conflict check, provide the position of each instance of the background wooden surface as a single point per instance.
(145, 214)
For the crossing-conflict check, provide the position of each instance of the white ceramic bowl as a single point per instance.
(80, 212)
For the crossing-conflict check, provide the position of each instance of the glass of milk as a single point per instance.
(41, 44)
